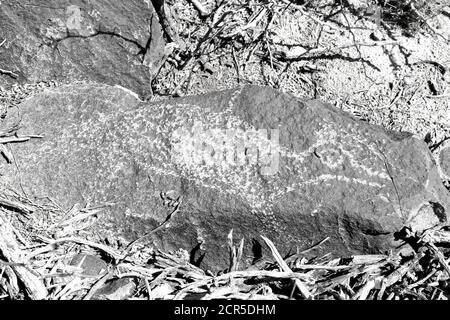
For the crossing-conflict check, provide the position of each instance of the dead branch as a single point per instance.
(317, 20)
(19, 206)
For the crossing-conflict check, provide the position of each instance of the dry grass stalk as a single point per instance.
(43, 268)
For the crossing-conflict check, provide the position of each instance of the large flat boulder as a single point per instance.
(252, 159)
(80, 40)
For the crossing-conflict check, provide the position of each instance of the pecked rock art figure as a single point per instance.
(251, 159)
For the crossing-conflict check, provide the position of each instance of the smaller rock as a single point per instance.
(116, 289)
(90, 265)
(443, 159)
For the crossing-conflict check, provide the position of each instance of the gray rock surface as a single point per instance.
(82, 40)
(443, 159)
(89, 265)
(116, 289)
(326, 174)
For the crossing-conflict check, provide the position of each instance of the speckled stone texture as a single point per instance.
(325, 174)
(443, 159)
(82, 40)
